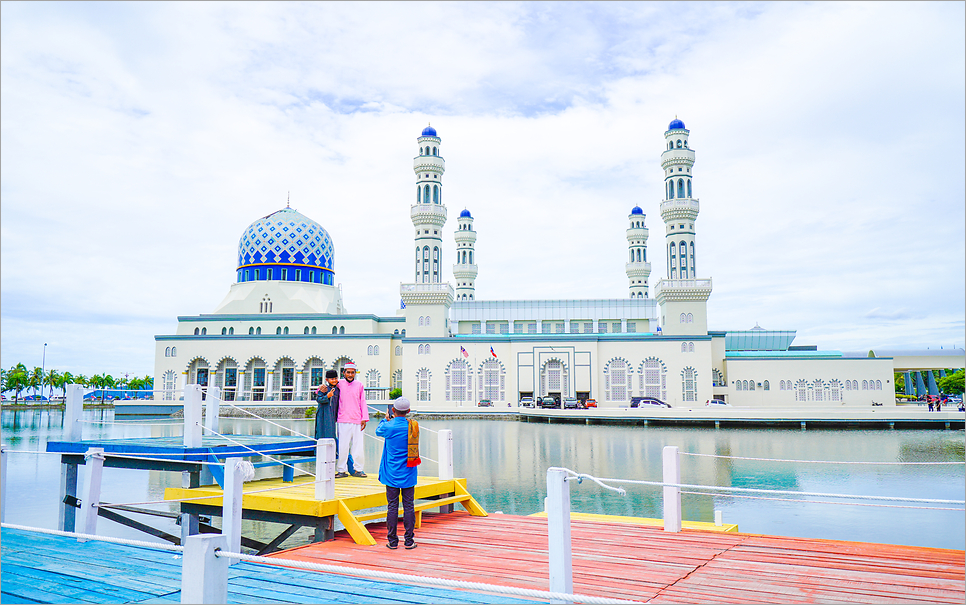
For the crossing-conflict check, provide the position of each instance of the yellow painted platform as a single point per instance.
(351, 494)
(701, 525)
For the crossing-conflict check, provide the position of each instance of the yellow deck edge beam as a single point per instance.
(358, 531)
(470, 504)
(699, 525)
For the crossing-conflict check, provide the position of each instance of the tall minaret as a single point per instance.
(679, 208)
(638, 269)
(465, 270)
(429, 213)
(682, 297)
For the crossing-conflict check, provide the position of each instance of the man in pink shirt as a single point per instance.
(353, 416)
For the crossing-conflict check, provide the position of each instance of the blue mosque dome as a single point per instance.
(286, 246)
(676, 124)
(636, 210)
(465, 214)
(429, 131)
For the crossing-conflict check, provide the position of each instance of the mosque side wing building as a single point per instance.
(283, 323)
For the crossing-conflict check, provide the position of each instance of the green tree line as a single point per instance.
(19, 379)
(952, 384)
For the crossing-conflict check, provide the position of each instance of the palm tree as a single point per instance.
(16, 380)
(82, 380)
(52, 379)
(65, 379)
(36, 379)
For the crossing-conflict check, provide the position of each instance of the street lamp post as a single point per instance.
(43, 368)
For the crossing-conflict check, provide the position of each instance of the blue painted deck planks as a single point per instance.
(41, 568)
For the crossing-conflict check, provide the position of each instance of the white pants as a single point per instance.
(350, 442)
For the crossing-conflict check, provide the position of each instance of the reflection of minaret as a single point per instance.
(638, 269)
(429, 213)
(465, 270)
(680, 209)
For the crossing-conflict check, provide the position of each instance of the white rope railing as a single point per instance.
(291, 430)
(282, 462)
(144, 455)
(426, 580)
(819, 461)
(796, 500)
(94, 538)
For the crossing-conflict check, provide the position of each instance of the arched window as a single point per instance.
(196, 331)
(632, 257)
(425, 264)
(819, 390)
(653, 379)
(258, 330)
(670, 185)
(684, 317)
(224, 331)
(767, 385)
(420, 151)
(801, 393)
(685, 143)
(422, 384)
(435, 152)
(251, 331)
(420, 320)
(231, 331)
(278, 331)
(672, 262)
(835, 391)
(435, 194)
(341, 329)
(167, 352)
(781, 385)
(372, 379)
(689, 384)
(690, 318)
(285, 331)
(421, 349)
(168, 384)
(426, 352)
(617, 380)
(335, 330)
(435, 264)
(428, 320)
(471, 257)
(375, 350)
(313, 329)
(369, 351)
(670, 145)
(751, 385)
(398, 350)
(426, 194)
(459, 383)
(419, 197)
(848, 385)
(694, 268)
(638, 255)
(865, 385)
(679, 143)
(689, 188)
(878, 385)
(683, 259)
(690, 347)
(684, 347)
(681, 188)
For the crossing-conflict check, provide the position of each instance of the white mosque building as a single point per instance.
(283, 323)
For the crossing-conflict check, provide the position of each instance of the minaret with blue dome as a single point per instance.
(429, 213)
(465, 269)
(679, 208)
(637, 268)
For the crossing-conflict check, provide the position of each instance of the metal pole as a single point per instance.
(558, 530)
(95, 470)
(672, 495)
(43, 370)
(204, 576)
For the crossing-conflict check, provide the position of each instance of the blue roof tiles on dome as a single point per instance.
(286, 237)
(676, 124)
(429, 131)
(465, 214)
(636, 210)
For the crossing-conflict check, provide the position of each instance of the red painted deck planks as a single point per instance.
(641, 563)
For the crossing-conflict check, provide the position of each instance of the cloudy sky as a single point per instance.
(140, 139)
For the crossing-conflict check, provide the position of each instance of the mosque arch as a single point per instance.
(459, 381)
(689, 384)
(306, 330)
(341, 329)
(313, 375)
(618, 379)
(373, 379)
(278, 331)
(313, 329)
(423, 384)
(690, 347)
(835, 391)
(689, 188)
(679, 143)
(670, 184)
(251, 331)
(167, 352)
(554, 378)
(196, 331)
(253, 388)
(652, 378)
(426, 194)
(339, 364)
(224, 331)
(335, 330)
(690, 318)
(397, 382)
(435, 194)
(767, 386)
(419, 197)
(492, 380)
(684, 347)
(681, 188)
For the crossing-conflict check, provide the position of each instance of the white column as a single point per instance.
(3, 485)
(269, 379)
(204, 577)
(92, 496)
(558, 528)
(325, 469)
(183, 381)
(445, 454)
(231, 519)
(73, 412)
(672, 495)
(298, 385)
(192, 416)
(240, 387)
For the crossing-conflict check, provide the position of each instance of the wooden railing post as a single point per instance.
(231, 514)
(672, 495)
(446, 454)
(558, 529)
(73, 411)
(204, 577)
(92, 497)
(325, 469)
(192, 415)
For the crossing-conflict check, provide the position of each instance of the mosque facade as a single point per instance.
(283, 323)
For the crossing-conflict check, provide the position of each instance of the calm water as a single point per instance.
(505, 464)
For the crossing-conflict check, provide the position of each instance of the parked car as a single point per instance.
(590, 403)
(526, 402)
(717, 402)
(548, 402)
(648, 402)
(571, 403)
(485, 403)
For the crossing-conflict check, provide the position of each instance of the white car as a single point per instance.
(717, 403)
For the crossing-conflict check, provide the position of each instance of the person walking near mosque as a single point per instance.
(397, 470)
(351, 421)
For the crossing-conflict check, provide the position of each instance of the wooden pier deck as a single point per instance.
(294, 502)
(642, 563)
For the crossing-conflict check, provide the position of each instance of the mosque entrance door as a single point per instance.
(258, 384)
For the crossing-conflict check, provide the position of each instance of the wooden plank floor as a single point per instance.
(40, 568)
(632, 561)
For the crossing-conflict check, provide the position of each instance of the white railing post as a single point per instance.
(212, 404)
(445, 454)
(73, 411)
(95, 469)
(204, 576)
(325, 469)
(558, 529)
(192, 415)
(3, 485)
(231, 514)
(672, 495)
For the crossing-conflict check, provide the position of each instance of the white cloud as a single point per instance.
(139, 140)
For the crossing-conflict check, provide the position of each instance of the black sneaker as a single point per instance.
(359, 474)
(341, 475)
(392, 546)
(411, 546)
